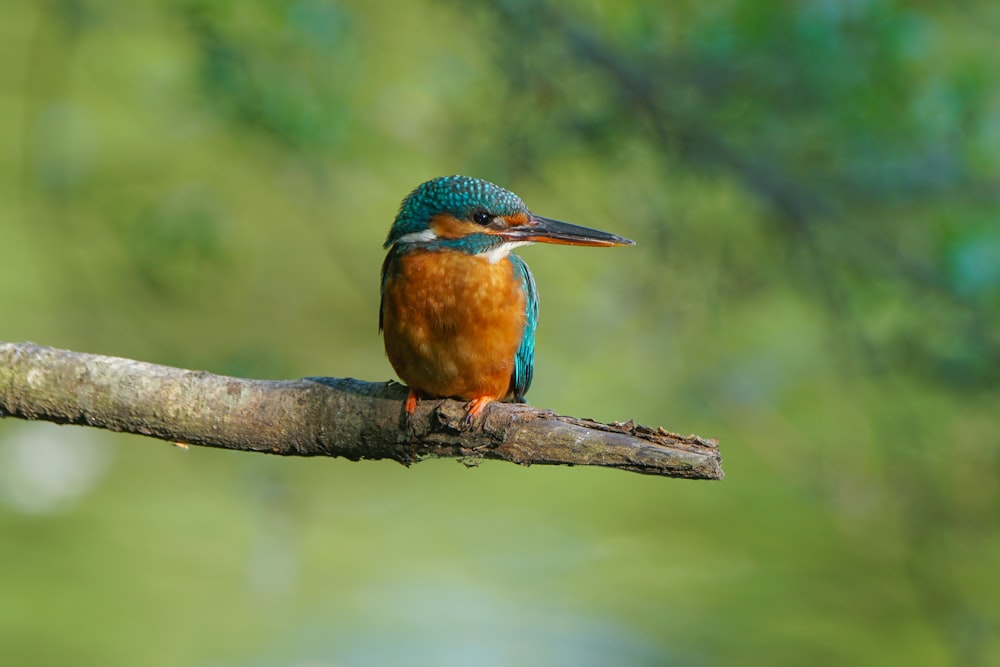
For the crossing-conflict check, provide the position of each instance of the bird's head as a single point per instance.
(476, 216)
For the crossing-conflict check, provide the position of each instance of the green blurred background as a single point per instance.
(815, 192)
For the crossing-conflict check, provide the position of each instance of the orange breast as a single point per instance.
(452, 323)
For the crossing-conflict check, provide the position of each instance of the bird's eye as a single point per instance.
(482, 217)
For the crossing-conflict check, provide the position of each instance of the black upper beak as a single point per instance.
(546, 230)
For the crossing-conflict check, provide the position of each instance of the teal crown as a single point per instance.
(459, 196)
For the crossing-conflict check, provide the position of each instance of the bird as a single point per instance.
(459, 310)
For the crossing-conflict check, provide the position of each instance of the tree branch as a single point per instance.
(322, 417)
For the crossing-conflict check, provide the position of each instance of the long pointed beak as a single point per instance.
(546, 230)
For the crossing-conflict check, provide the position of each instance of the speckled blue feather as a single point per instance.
(524, 361)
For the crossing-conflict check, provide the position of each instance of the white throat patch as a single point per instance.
(424, 236)
(501, 251)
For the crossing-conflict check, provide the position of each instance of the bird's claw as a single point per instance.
(475, 408)
(409, 410)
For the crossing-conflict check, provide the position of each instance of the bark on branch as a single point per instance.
(322, 417)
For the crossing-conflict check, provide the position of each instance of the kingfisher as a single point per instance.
(458, 309)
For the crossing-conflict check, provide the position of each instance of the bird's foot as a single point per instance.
(409, 409)
(475, 408)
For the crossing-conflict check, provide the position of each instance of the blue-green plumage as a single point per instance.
(459, 196)
(524, 362)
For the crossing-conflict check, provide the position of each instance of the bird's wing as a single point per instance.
(389, 257)
(524, 360)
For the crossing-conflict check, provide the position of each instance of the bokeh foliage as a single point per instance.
(814, 191)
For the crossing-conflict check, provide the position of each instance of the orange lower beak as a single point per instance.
(546, 230)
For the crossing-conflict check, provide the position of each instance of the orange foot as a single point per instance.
(410, 407)
(475, 408)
